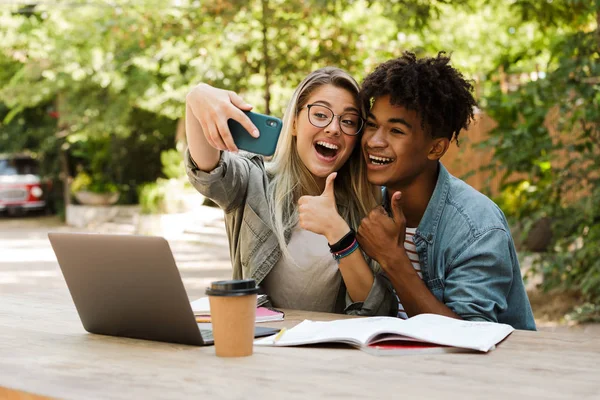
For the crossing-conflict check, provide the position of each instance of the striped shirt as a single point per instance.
(411, 251)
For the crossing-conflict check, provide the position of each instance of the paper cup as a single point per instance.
(233, 314)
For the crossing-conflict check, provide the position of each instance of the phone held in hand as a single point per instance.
(269, 128)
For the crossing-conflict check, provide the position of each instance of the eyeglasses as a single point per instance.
(321, 116)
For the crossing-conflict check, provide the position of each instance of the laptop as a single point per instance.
(129, 286)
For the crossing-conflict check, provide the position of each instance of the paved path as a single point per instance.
(28, 264)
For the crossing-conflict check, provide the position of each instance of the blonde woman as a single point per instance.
(291, 223)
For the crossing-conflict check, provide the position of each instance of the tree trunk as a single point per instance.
(598, 26)
(503, 80)
(65, 175)
(61, 134)
(267, 62)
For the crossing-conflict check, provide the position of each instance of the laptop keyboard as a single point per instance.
(206, 334)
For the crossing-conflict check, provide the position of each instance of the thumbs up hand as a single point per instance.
(378, 234)
(319, 214)
(398, 216)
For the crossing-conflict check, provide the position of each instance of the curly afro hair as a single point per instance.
(430, 86)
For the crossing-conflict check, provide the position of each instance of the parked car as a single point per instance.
(21, 187)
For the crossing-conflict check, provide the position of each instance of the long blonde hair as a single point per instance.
(290, 178)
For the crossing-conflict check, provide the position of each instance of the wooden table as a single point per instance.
(45, 351)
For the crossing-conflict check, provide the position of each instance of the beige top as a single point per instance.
(310, 280)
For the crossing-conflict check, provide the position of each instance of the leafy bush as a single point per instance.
(152, 197)
(172, 164)
(547, 148)
(166, 195)
(84, 182)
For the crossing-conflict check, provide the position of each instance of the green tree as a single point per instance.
(98, 68)
(559, 176)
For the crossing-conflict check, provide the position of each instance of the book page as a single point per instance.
(354, 331)
(481, 336)
(431, 328)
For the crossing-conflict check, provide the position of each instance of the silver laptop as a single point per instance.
(129, 286)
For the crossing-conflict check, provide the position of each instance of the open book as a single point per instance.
(201, 309)
(378, 335)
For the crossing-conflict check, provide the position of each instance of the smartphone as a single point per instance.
(269, 128)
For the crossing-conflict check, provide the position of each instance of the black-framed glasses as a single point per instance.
(321, 116)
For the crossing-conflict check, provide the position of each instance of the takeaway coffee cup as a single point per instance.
(233, 313)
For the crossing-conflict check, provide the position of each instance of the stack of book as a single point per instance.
(201, 308)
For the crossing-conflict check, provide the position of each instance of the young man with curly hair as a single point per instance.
(446, 248)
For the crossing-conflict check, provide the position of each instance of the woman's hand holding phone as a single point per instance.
(212, 108)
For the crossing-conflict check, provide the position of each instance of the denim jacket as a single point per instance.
(239, 186)
(468, 257)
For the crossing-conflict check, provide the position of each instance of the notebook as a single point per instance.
(201, 309)
(404, 347)
(381, 335)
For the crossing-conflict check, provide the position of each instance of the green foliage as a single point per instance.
(587, 312)
(172, 164)
(574, 262)
(32, 129)
(161, 196)
(152, 197)
(84, 182)
(116, 77)
(556, 175)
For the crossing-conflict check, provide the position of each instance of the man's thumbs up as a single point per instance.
(328, 191)
(397, 213)
(378, 234)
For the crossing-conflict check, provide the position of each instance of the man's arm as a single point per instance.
(477, 283)
(415, 295)
(481, 276)
(382, 238)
